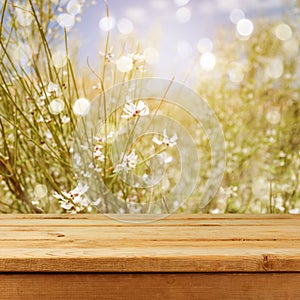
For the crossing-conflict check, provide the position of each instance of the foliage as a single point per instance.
(255, 94)
(253, 90)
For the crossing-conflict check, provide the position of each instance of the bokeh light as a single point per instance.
(151, 56)
(159, 4)
(74, 7)
(208, 61)
(56, 106)
(22, 53)
(24, 17)
(283, 32)
(244, 27)
(40, 191)
(205, 45)
(136, 13)
(66, 20)
(125, 26)
(291, 47)
(184, 49)
(81, 107)
(236, 15)
(59, 59)
(124, 64)
(235, 73)
(107, 23)
(275, 68)
(181, 2)
(273, 117)
(183, 15)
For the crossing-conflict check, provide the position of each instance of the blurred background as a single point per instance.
(179, 30)
(242, 57)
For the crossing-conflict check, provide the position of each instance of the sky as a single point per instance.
(173, 27)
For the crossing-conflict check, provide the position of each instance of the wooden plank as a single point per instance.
(148, 220)
(149, 217)
(100, 234)
(150, 286)
(178, 243)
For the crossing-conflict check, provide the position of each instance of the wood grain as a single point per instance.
(185, 286)
(177, 243)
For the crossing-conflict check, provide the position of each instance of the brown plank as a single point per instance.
(168, 220)
(99, 234)
(150, 286)
(185, 243)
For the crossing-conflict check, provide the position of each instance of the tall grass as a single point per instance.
(256, 97)
(51, 160)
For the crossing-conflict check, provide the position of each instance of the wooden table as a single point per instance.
(179, 257)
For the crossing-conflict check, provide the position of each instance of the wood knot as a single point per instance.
(266, 264)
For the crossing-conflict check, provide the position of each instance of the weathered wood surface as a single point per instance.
(178, 243)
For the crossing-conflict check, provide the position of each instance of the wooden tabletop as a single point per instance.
(177, 243)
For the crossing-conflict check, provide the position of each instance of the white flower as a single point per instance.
(229, 192)
(169, 142)
(77, 159)
(215, 211)
(108, 56)
(138, 58)
(41, 101)
(65, 119)
(129, 161)
(166, 158)
(294, 211)
(98, 154)
(52, 90)
(95, 168)
(99, 139)
(84, 147)
(74, 201)
(132, 110)
(52, 87)
(48, 135)
(76, 193)
(65, 204)
(124, 64)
